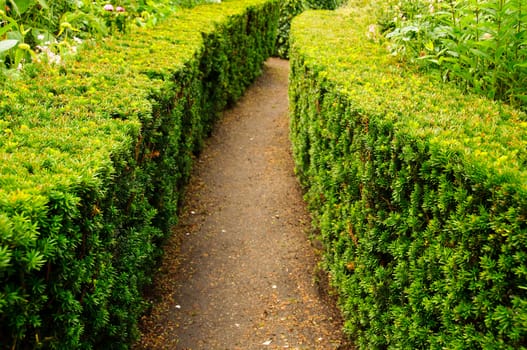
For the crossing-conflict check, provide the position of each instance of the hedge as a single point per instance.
(291, 8)
(419, 192)
(94, 158)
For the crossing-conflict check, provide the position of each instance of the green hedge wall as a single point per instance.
(291, 8)
(94, 156)
(419, 192)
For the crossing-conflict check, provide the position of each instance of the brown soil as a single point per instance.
(240, 269)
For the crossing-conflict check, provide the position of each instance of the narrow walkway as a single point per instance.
(243, 275)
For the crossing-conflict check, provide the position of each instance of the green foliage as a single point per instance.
(419, 192)
(291, 8)
(50, 26)
(95, 154)
(288, 10)
(481, 45)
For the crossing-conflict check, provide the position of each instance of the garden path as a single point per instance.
(239, 271)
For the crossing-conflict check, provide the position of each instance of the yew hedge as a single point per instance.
(94, 156)
(419, 192)
(291, 8)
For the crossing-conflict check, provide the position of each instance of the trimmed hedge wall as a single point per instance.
(94, 158)
(291, 8)
(419, 192)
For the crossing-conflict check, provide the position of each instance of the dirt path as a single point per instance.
(243, 275)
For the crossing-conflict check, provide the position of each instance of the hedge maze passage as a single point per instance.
(238, 271)
(417, 188)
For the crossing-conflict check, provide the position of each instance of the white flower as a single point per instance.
(372, 32)
(52, 57)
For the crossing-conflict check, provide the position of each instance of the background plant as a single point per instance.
(43, 24)
(479, 44)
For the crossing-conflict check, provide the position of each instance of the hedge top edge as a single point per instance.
(482, 130)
